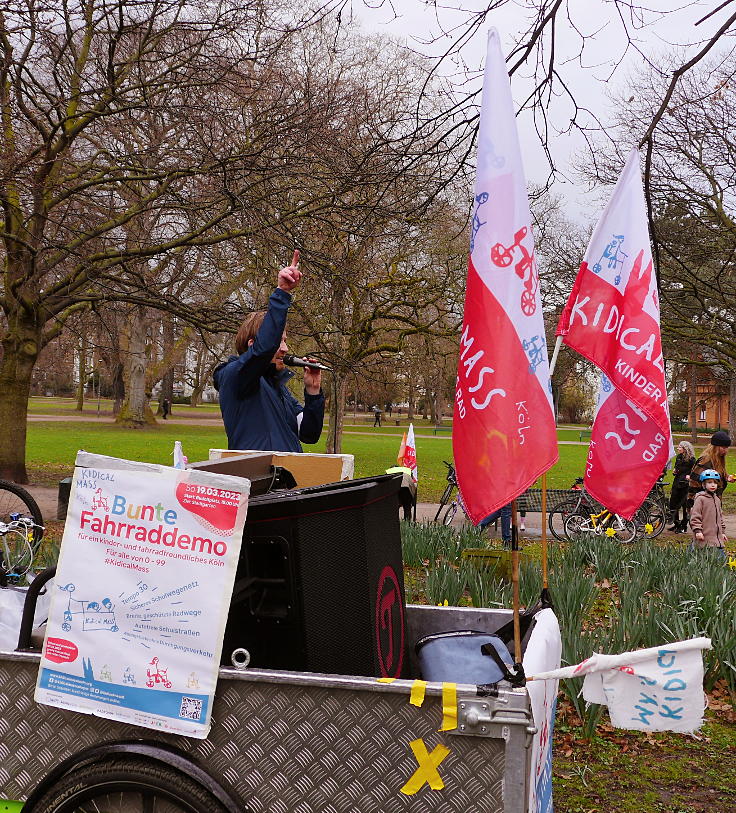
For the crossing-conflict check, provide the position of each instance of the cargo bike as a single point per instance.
(296, 738)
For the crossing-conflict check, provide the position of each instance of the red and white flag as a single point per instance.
(409, 458)
(612, 318)
(503, 434)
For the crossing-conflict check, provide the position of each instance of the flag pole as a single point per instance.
(555, 353)
(515, 582)
(545, 597)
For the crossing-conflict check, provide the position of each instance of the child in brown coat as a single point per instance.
(706, 518)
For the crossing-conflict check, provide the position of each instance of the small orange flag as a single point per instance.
(402, 451)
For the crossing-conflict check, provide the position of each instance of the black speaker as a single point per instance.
(319, 585)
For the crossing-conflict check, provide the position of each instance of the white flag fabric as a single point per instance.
(655, 689)
(180, 459)
(503, 430)
(543, 651)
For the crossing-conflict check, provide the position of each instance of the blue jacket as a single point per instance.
(257, 409)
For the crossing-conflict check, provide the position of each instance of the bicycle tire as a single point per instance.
(157, 787)
(17, 554)
(627, 532)
(16, 500)
(556, 517)
(575, 524)
(651, 513)
(450, 513)
(444, 500)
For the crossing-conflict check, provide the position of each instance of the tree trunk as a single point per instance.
(21, 346)
(135, 411)
(167, 391)
(338, 387)
(117, 386)
(167, 381)
(732, 407)
(82, 372)
(693, 404)
(434, 412)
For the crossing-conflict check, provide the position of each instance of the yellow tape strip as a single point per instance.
(418, 688)
(449, 707)
(426, 773)
(386, 680)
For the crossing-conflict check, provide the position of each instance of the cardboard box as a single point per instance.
(308, 468)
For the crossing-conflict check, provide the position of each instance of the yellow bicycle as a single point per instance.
(605, 523)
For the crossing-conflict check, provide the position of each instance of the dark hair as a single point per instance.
(247, 330)
(720, 438)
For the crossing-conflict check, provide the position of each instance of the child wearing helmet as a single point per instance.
(706, 518)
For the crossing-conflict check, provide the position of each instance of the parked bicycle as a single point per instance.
(16, 501)
(19, 541)
(604, 523)
(579, 503)
(450, 500)
(649, 520)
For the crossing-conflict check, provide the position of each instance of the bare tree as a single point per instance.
(78, 80)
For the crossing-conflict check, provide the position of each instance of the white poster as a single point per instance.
(141, 595)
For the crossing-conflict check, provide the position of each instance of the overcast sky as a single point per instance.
(604, 64)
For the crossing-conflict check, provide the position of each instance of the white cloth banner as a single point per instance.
(543, 651)
(12, 600)
(142, 591)
(655, 689)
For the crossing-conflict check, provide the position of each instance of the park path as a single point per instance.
(217, 421)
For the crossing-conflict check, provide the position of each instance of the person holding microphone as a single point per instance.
(257, 408)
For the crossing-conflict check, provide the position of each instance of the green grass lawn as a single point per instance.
(52, 447)
(38, 405)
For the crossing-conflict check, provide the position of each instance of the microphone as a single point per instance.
(295, 361)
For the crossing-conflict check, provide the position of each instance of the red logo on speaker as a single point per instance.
(389, 624)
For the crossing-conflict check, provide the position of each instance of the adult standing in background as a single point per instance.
(257, 408)
(684, 463)
(713, 457)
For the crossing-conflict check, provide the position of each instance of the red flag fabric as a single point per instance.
(612, 318)
(503, 428)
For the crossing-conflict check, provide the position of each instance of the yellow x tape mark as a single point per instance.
(427, 772)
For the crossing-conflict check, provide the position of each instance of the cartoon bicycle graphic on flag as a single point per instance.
(525, 268)
(614, 255)
(94, 615)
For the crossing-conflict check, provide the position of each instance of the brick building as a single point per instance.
(711, 403)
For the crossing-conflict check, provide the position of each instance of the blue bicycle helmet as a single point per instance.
(710, 474)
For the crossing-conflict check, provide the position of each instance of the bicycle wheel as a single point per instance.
(650, 515)
(16, 500)
(625, 529)
(556, 517)
(450, 513)
(444, 500)
(126, 785)
(575, 525)
(17, 552)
